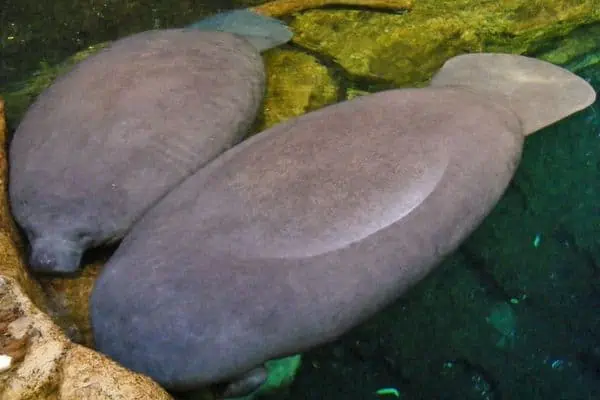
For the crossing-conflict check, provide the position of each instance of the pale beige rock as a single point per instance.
(407, 48)
(44, 364)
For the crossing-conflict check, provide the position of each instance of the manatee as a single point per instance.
(109, 138)
(298, 234)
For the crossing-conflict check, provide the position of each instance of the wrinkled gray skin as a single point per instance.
(293, 237)
(113, 135)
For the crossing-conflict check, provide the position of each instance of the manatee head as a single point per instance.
(58, 232)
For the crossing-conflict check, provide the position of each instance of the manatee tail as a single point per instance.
(263, 32)
(540, 93)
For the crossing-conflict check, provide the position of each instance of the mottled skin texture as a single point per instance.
(301, 232)
(295, 236)
(113, 135)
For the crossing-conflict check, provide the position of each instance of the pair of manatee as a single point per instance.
(232, 257)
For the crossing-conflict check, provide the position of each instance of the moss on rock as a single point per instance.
(297, 83)
(577, 51)
(408, 48)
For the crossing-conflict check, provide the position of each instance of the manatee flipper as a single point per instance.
(54, 255)
(540, 93)
(245, 384)
(263, 32)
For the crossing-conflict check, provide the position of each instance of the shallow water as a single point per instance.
(538, 252)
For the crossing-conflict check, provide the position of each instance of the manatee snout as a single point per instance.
(54, 256)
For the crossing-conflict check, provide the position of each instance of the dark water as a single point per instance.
(37, 32)
(514, 314)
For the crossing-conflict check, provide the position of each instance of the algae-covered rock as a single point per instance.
(407, 48)
(296, 83)
(41, 363)
(352, 93)
(577, 51)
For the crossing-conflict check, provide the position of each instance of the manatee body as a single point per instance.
(300, 233)
(114, 134)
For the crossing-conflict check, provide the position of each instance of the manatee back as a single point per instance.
(114, 134)
(294, 236)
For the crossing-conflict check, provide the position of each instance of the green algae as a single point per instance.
(296, 83)
(407, 48)
(577, 51)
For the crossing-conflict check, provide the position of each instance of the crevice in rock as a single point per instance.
(366, 8)
(281, 8)
(342, 77)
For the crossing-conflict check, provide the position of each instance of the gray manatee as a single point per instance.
(109, 138)
(298, 234)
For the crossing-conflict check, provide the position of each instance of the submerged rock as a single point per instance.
(407, 48)
(577, 51)
(41, 363)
